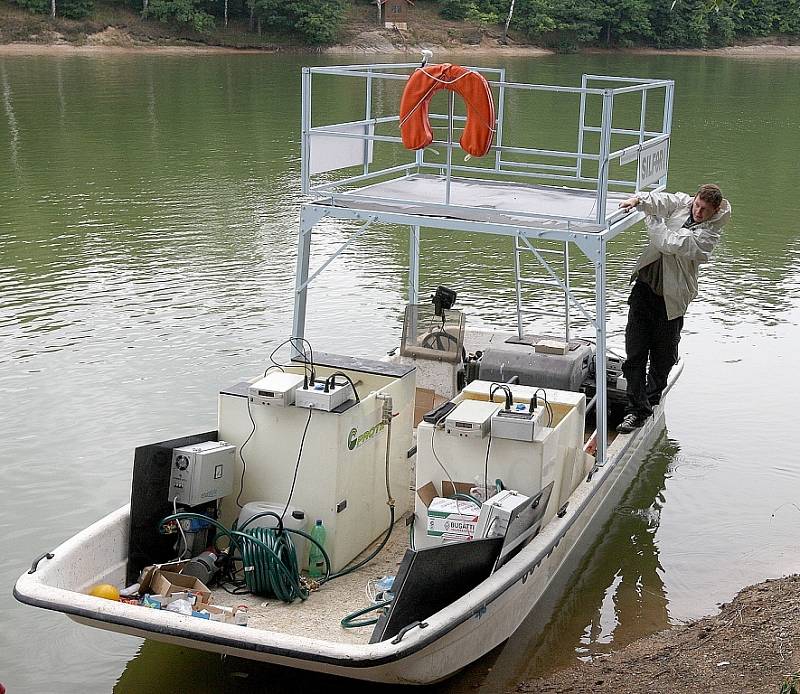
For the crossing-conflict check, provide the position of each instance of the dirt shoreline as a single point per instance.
(751, 645)
(377, 47)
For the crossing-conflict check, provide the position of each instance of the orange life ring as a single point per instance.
(415, 127)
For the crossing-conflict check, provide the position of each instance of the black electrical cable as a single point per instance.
(241, 454)
(486, 467)
(297, 464)
(501, 386)
(306, 362)
(331, 381)
(546, 405)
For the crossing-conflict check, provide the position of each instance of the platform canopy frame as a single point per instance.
(531, 194)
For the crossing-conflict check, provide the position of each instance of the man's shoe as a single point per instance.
(630, 422)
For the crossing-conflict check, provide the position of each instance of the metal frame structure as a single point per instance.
(345, 197)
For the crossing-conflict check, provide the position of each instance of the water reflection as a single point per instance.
(615, 595)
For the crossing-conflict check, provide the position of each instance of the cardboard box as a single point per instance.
(214, 613)
(425, 400)
(449, 519)
(167, 583)
(147, 573)
(551, 347)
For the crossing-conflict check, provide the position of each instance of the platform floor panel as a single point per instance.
(480, 200)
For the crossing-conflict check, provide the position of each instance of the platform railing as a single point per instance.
(357, 137)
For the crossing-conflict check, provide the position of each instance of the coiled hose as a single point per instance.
(268, 555)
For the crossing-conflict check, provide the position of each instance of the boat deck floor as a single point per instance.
(320, 615)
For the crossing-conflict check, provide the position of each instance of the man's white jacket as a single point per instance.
(681, 249)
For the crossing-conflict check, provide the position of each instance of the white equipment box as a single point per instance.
(202, 472)
(317, 397)
(517, 424)
(471, 418)
(497, 512)
(339, 475)
(277, 388)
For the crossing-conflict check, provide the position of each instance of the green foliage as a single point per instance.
(36, 6)
(457, 9)
(71, 9)
(314, 21)
(183, 11)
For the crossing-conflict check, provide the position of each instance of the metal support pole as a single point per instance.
(669, 95)
(581, 125)
(301, 277)
(500, 114)
(305, 144)
(518, 281)
(367, 117)
(643, 117)
(413, 266)
(601, 384)
(452, 98)
(605, 148)
(566, 296)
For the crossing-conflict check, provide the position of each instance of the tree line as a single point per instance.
(564, 25)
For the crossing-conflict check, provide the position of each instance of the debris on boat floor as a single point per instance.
(751, 645)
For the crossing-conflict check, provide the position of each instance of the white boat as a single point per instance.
(532, 410)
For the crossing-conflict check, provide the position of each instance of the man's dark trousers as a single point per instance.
(648, 334)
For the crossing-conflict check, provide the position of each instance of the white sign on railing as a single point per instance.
(329, 152)
(653, 162)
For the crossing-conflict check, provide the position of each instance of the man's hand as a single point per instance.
(630, 203)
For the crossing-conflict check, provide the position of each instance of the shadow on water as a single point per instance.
(614, 596)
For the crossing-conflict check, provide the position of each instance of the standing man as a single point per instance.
(683, 232)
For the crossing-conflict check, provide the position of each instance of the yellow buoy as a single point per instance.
(105, 590)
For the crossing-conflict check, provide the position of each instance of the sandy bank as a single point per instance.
(752, 645)
(379, 45)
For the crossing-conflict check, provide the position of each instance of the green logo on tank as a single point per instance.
(354, 439)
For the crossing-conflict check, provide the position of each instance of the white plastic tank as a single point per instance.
(294, 519)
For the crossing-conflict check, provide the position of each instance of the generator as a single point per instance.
(539, 362)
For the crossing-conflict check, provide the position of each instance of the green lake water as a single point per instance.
(148, 220)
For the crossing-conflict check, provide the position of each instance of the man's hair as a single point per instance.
(711, 193)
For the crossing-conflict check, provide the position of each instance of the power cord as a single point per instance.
(297, 464)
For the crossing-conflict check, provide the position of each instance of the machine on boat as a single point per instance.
(460, 473)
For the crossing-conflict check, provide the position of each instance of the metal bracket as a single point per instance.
(310, 216)
(397, 639)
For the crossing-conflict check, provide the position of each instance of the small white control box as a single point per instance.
(315, 396)
(276, 388)
(472, 418)
(517, 424)
(202, 472)
(496, 513)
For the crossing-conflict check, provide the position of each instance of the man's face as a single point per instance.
(702, 209)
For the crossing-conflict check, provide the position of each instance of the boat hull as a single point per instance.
(444, 644)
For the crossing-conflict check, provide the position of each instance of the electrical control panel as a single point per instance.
(276, 388)
(325, 394)
(201, 473)
(471, 418)
(496, 513)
